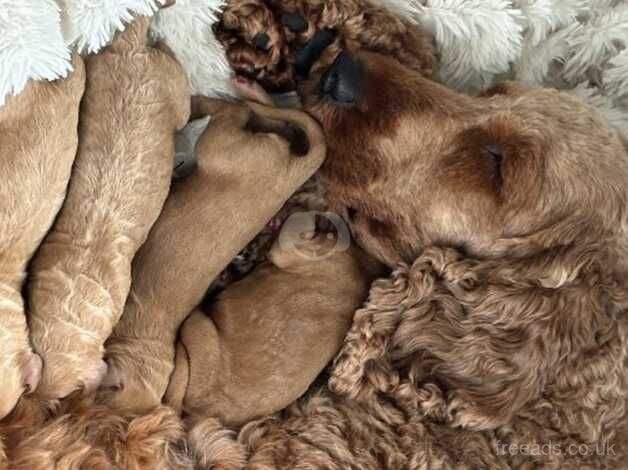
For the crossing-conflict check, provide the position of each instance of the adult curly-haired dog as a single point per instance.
(511, 212)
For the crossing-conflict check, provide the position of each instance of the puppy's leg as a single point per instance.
(243, 179)
(38, 141)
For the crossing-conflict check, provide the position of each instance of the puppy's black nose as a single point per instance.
(344, 80)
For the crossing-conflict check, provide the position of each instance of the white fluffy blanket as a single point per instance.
(581, 45)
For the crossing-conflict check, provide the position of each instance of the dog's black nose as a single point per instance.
(344, 80)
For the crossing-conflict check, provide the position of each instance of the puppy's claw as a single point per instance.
(251, 91)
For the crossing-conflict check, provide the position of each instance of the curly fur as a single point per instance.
(455, 359)
(79, 433)
(517, 337)
(551, 332)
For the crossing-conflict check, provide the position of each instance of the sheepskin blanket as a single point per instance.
(579, 45)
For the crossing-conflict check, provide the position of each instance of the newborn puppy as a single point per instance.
(251, 158)
(264, 340)
(136, 98)
(38, 141)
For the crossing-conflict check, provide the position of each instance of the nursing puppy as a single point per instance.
(264, 340)
(136, 98)
(38, 141)
(250, 160)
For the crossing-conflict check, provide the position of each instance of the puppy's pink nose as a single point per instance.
(344, 80)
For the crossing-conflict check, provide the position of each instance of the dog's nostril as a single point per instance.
(261, 41)
(343, 81)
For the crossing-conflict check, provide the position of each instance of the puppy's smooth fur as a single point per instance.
(245, 173)
(262, 342)
(136, 97)
(38, 142)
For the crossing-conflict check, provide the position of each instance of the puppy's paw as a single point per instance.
(64, 374)
(137, 373)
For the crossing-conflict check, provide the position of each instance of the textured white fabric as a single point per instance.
(88, 25)
(186, 29)
(31, 44)
(569, 44)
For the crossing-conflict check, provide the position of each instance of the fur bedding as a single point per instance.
(368, 413)
(569, 44)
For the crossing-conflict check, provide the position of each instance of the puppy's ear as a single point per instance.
(473, 342)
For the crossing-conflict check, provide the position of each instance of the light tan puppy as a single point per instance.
(265, 339)
(244, 175)
(38, 141)
(136, 98)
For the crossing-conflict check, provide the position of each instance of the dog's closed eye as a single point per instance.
(496, 153)
(496, 159)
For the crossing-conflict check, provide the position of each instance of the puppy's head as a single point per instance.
(309, 237)
(412, 163)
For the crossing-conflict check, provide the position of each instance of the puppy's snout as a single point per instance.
(344, 80)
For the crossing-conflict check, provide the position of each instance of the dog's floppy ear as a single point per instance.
(473, 342)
